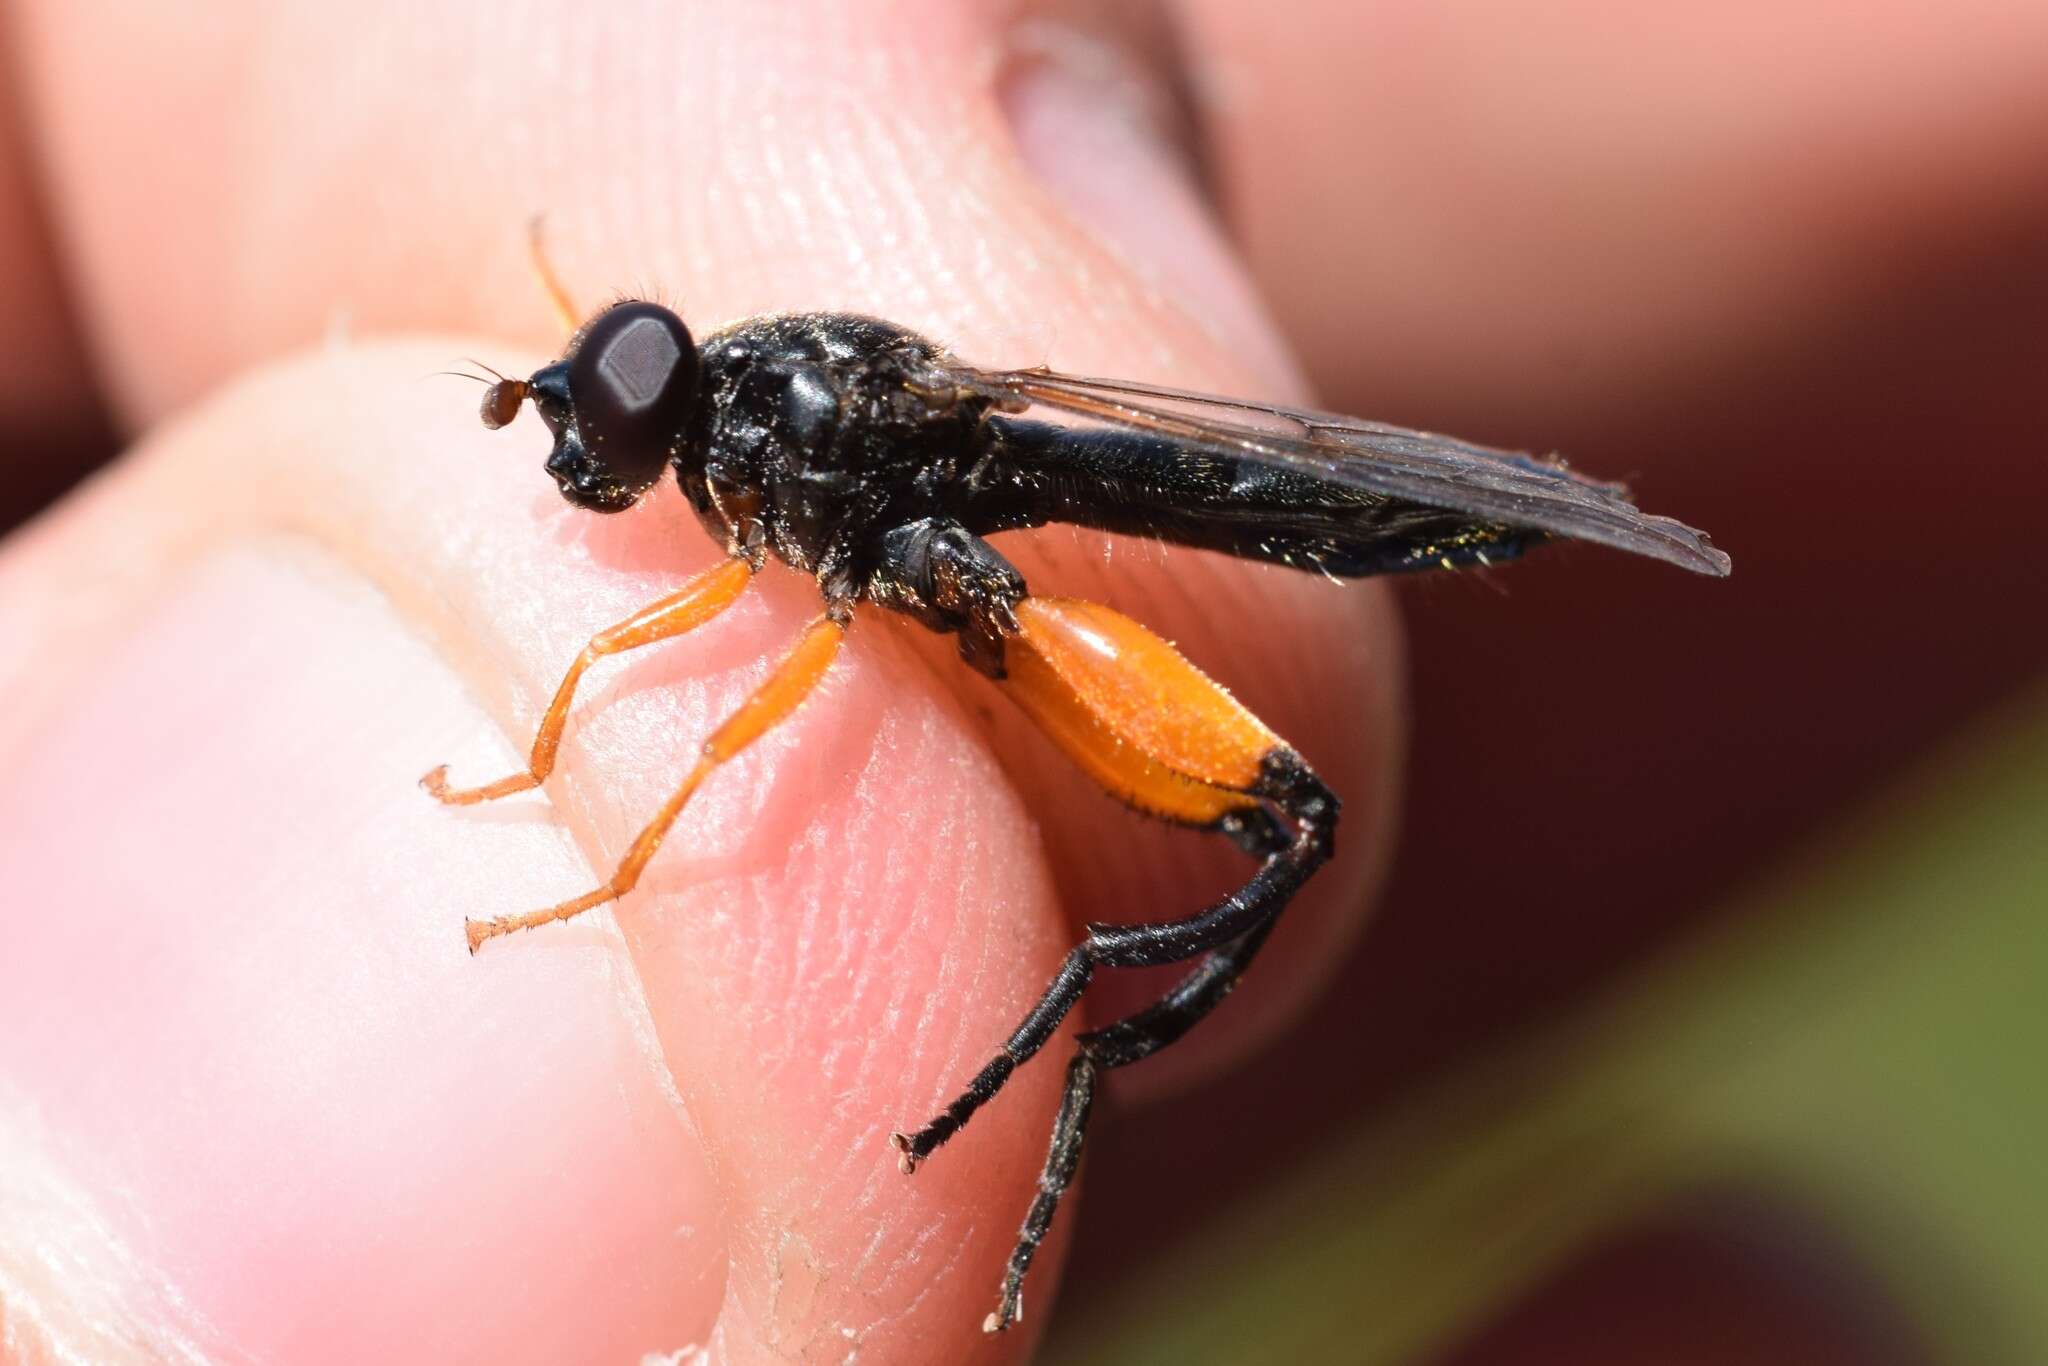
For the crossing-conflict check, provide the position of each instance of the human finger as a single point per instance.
(889, 183)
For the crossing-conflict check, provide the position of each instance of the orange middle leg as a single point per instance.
(778, 696)
(689, 607)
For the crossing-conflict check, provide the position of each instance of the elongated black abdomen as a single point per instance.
(1139, 484)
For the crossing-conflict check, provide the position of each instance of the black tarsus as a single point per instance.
(1135, 1037)
(1229, 932)
(1062, 1160)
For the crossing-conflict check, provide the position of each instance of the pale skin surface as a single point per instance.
(249, 1079)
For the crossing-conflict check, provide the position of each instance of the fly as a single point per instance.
(862, 454)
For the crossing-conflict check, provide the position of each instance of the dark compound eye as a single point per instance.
(633, 380)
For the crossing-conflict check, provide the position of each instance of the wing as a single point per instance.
(1416, 467)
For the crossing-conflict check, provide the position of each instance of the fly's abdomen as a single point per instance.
(1145, 485)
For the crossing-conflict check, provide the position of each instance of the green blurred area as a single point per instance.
(1860, 1044)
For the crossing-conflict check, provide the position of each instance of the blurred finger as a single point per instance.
(1481, 208)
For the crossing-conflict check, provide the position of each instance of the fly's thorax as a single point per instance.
(814, 430)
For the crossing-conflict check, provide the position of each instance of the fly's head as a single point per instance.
(620, 403)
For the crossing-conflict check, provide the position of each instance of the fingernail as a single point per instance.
(1097, 123)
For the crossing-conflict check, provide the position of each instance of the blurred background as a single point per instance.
(1697, 1076)
(1747, 1072)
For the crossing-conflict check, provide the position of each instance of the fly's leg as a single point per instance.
(1062, 1160)
(690, 606)
(1137, 946)
(1147, 725)
(1127, 1041)
(778, 696)
(1139, 1035)
(1130, 1039)
(550, 283)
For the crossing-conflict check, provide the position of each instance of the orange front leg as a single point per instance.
(690, 606)
(782, 692)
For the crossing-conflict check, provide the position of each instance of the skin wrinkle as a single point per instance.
(959, 1055)
(880, 937)
(861, 942)
(911, 1260)
(836, 952)
(913, 232)
(925, 906)
(76, 1292)
(790, 761)
(912, 1254)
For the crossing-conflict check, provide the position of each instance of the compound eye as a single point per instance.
(633, 381)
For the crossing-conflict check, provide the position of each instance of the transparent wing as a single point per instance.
(1420, 467)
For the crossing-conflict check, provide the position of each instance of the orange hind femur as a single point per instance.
(1133, 713)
